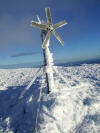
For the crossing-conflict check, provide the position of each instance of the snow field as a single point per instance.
(73, 106)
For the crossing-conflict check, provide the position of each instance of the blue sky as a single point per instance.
(81, 36)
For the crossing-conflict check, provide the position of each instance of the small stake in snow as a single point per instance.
(46, 30)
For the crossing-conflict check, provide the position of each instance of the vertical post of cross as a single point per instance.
(43, 34)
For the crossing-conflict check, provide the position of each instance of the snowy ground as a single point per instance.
(71, 107)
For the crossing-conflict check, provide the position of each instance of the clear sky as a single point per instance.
(81, 36)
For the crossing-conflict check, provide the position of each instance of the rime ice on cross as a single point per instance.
(46, 30)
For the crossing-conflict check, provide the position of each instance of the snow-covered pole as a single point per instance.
(48, 63)
(49, 66)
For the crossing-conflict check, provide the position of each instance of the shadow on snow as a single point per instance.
(19, 115)
(86, 126)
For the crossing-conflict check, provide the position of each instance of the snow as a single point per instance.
(73, 106)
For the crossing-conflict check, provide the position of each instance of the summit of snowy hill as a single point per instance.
(73, 105)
